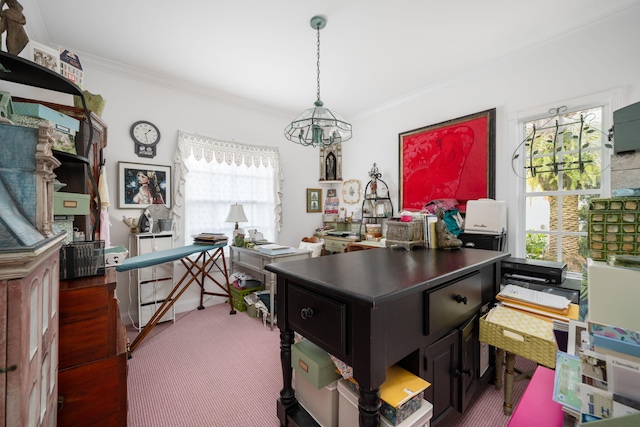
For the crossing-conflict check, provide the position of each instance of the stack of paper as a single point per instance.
(543, 304)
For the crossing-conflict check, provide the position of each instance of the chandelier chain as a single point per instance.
(318, 61)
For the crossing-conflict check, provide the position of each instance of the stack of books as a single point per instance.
(430, 238)
(275, 249)
(210, 238)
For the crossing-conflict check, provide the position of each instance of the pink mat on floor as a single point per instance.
(536, 407)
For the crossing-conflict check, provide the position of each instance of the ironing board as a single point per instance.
(198, 269)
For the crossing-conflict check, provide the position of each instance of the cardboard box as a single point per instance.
(64, 138)
(70, 203)
(313, 363)
(613, 295)
(70, 66)
(43, 112)
(65, 223)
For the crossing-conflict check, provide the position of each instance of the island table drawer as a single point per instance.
(451, 305)
(318, 318)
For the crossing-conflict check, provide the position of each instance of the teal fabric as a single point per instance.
(160, 257)
(452, 223)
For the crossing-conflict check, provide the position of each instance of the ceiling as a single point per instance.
(263, 52)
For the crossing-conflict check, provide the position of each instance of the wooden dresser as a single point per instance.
(92, 378)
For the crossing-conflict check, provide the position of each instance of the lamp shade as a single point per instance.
(236, 214)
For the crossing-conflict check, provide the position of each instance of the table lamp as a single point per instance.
(236, 214)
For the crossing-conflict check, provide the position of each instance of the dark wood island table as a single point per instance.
(374, 309)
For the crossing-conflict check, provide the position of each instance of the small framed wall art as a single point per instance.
(331, 162)
(314, 200)
(351, 191)
(44, 55)
(143, 185)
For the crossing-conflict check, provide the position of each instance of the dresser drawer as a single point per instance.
(317, 318)
(452, 304)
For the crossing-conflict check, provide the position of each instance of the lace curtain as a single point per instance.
(247, 174)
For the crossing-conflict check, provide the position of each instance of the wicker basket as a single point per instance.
(531, 347)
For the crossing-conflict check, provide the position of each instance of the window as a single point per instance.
(211, 188)
(565, 162)
(216, 174)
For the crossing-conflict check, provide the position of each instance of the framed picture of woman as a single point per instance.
(141, 185)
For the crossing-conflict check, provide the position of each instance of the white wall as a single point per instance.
(596, 59)
(171, 110)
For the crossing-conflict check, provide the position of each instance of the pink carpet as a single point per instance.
(212, 369)
(208, 369)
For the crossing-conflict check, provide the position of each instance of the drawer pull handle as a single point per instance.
(306, 313)
(466, 371)
(460, 298)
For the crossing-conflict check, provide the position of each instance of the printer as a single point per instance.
(539, 275)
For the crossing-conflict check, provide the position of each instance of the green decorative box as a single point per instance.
(70, 203)
(237, 296)
(313, 363)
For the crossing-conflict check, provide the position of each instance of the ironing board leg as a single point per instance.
(197, 270)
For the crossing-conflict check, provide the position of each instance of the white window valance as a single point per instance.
(202, 147)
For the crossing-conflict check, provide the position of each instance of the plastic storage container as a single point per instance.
(348, 410)
(321, 404)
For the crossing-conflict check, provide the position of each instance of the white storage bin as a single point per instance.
(321, 404)
(348, 410)
(613, 295)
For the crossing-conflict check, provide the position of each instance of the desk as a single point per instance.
(252, 261)
(375, 308)
(198, 269)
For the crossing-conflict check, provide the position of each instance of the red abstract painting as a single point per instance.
(450, 160)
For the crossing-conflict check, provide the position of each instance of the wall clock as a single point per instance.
(145, 136)
(351, 191)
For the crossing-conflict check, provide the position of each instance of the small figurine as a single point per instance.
(12, 20)
(446, 239)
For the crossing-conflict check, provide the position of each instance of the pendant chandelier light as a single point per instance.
(318, 125)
